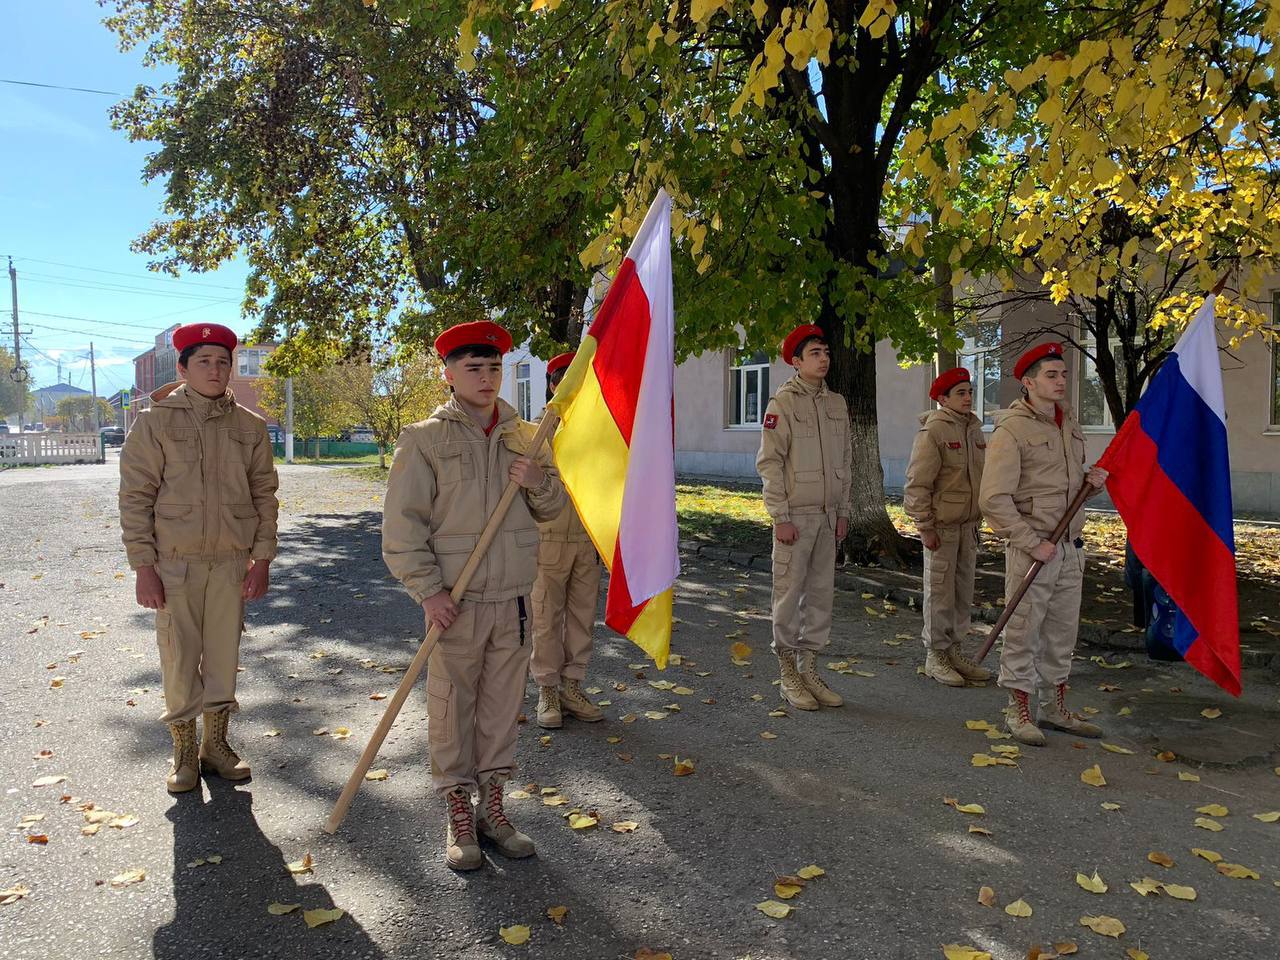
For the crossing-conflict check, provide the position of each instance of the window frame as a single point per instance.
(1273, 382)
(758, 365)
(524, 389)
(1088, 342)
(974, 357)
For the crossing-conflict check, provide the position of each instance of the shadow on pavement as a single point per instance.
(221, 908)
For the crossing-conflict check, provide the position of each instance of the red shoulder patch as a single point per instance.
(770, 421)
(956, 445)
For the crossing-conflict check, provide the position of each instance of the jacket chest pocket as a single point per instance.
(954, 454)
(454, 464)
(837, 425)
(1042, 452)
(239, 445)
(180, 443)
(1077, 445)
(803, 426)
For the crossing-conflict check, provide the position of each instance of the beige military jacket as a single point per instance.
(197, 481)
(805, 459)
(1034, 468)
(945, 471)
(445, 482)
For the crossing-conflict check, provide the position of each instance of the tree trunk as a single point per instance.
(382, 456)
(946, 307)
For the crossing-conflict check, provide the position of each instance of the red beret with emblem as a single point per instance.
(946, 381)
(478, 333)
(198, 334)
(559, 362)
(1053, 350)
(794, 338)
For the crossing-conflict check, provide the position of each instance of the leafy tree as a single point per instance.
(319, 408)
(13, 393)
(78, 412)
(387, 393)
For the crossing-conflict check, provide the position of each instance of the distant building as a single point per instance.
(45, 400)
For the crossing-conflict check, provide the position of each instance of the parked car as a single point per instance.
(112, 436)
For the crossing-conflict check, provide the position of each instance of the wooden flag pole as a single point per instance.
(545, 429)
(1086, 490)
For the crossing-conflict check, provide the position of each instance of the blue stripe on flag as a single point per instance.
(1191, 444)
(1184, 634)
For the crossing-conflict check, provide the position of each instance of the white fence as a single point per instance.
(36, 449)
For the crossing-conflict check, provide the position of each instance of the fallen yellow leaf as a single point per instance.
(557, 914)
(1211, 713)
(1204, 823)
(1213, 810)
(624, 826)
(1019, 908)
(1237, 872)
(1163, 859)
(514, 935)
(974, 828)
(740, 651)
(305, 865)
(13, 894)
(987, 897)
(1104, 925)
(1186, 777)
(554, 801)
(280, 909)
(1271, 816)
(785, 891)
(977, 725)
(682, 691)
(1146, 886)
(1111, 806)
(49, 781)
(377, 775)
(811, 872)
(683, 767)
(1178, 892)
(1093, 776)
(1166, 756)
(1066, 948)
(1133, 953)
(582, 822)
(1094, 884)
(768, 736)
(339, 733)
(655, 714)
(128, 877)
(318, 918)
(1112, 748)
(954, 951)
(772, 908)
(1209, 855)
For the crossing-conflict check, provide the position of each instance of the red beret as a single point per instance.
(1053, 350)
(479, 333)
(195, 334)
(795, 336)
(560, 362)
(946, 381)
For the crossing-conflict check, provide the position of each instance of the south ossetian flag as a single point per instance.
(615, 448)
(1170, 478)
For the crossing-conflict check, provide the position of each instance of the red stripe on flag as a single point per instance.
(619, 612)
(1180, 549)
(621, 332)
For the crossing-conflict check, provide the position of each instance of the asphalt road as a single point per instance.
(858, 791)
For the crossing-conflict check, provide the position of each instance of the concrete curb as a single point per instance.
(1091, 635)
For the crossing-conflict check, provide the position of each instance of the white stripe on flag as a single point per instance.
(1198, 361)
(647, 532)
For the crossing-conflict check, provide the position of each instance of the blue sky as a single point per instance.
(72, 200)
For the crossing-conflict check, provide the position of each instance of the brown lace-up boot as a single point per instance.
(1055, 715)
(816, 686)
(216, 755)
(461, 849)
(494, 825)
(1019, 720)
(966, 667)
(575, 703)
(185, 774)
(550, 716)
(792, 687)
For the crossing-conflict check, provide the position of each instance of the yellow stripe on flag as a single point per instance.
(652, 630)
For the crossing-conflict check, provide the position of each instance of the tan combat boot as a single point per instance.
(1019, 720)
(1055, 715)
(792, 687)
(938, 665)
(216, 755)
(549, 715)
(815, 684)
(494, 825)
(185, 774)
(461, 849)
(575, 703)
(966, 667)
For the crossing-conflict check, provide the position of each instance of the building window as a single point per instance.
(1090, 399)
(249, 361)
(748, 389)
(524, 395)
(980, 355)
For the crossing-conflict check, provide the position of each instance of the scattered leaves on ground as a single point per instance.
(557, 914)
(1112, 748)
(1163, 859)
(49, 781)
(318, 918)
(1210, 855)
(987, 897)
(811, 872)
(128, 877)
(683, 768)
(1094, 884)
(581, 821)
(1237, 871)
(1019, 908)
(1093, 776)
(955, 951)
(1271, 816)
(785, 891)
(280, 909)
(624, 826)
(1104, 925)
(305, 865)
(772, 908)
(1211, 713)
(1213, 810)
(1204, 823)
(377, 775)
(516, 935)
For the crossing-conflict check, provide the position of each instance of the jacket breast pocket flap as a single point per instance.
(454, 463)
(955, 496)
(180, 443)
(172, 511)
(243, 510)
(527, 538)
(802, 426)
(808, 476)
(455, 543)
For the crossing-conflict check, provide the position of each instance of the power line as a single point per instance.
(76, 283)
(83, 333)
(57, 86)
(134, 276)
(111, 323)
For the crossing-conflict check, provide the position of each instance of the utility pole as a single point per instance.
(288, 420)
(19, 372)
(93, 386)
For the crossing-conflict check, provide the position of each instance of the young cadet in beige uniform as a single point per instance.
(941, 496)
(1035, 466)
(805, 462)
(198, 514)
(565, 597)
(448, 475)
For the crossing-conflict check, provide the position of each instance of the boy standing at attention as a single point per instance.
(565, 597)
(805, 463)
(941, 495)
(448, 475)
(198, 514)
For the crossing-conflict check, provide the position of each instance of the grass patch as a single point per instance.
(298, 459)
(371, 472)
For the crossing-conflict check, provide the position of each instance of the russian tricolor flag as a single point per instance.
(1170, 478)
